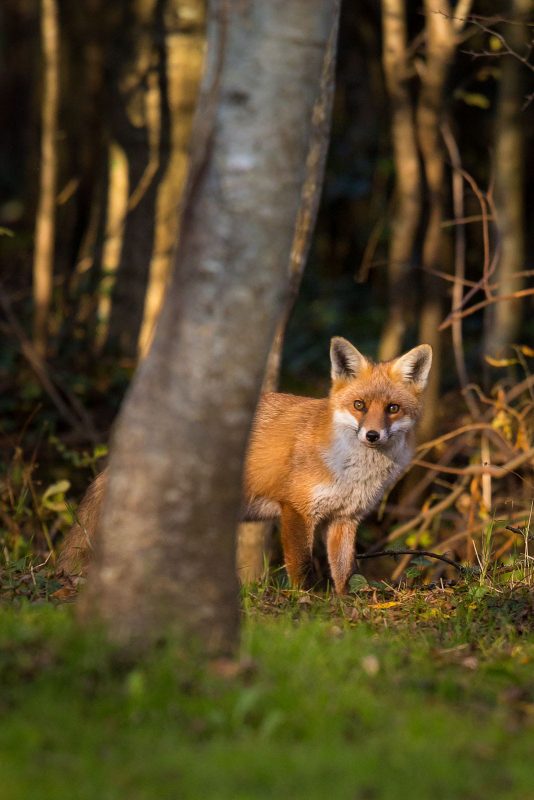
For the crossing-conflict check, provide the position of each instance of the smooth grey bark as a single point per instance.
(255, 538)
(165, 556)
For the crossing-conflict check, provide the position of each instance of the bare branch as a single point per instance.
(395, 553)
(458, 313)
(483, 469)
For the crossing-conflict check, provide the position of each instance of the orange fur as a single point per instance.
(312, 462)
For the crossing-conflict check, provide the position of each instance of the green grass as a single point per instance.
(432, 697)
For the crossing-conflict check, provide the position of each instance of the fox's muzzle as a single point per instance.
(372, 436)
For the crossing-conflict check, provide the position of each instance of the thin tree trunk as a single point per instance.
(407, 211)
(458, 208)
(184, 31)
(43, 261)
(140, 125)
(442, 25)
(504, 318)
(166, 552)
(116, 210)
(87, 30)
(253, 545)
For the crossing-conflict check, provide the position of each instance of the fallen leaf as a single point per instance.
(336, 631)
(470, 662)
(65, 593)
(305, 600)
(229, 669)
(390, 604)
(370, 665)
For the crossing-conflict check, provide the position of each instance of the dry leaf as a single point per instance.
(305, 600)
(500, 362)
(65, 593)
(370, 665)
(229, 669)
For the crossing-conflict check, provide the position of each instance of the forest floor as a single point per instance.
(385, 694)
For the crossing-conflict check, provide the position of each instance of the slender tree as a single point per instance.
(184, 46)
(43, 261)
(442, 25)
(166, 552)
(139, 123)
(407, 210)
(503, 319)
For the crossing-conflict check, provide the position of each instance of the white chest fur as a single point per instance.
(360, 474)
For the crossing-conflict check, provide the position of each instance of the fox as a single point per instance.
(320, 466)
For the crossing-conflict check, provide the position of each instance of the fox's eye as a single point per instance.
(359, 405)
(393, 408)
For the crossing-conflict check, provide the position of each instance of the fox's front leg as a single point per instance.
(340, 546)
(297, 542)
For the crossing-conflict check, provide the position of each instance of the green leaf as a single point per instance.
(413, 572)
(358, 582)
(421, 561)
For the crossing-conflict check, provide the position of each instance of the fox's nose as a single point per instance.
(372, 436)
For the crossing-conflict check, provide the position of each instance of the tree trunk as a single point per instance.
(43, 261)
(157, 90)
(503, 321)
(442, 25)
(254, 541)
(166, 553)
(116, 210)
(184, 30)
(407, 211)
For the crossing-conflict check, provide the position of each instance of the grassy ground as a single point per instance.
(388, 694)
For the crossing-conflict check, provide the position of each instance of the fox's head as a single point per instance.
(380, 402)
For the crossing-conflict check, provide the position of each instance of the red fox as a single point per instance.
(319, 465)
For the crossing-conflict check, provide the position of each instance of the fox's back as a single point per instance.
(283, 441)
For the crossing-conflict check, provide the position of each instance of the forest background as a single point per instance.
(422, 229)
(416, 685)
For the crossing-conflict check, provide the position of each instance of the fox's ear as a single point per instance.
(414, 365)
(346, 361)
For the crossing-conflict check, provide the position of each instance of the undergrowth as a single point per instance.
(388, 693)
(415, 687)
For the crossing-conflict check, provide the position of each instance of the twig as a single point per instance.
(459, 263)
(477, 426)
(450, 223)
(456, 447)
(478, 21)
(40, 369)
(426, 516)
(459, 314)
(516, 530)
(370, 248)
(475, 529)
(394, 553)
(483, 469)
